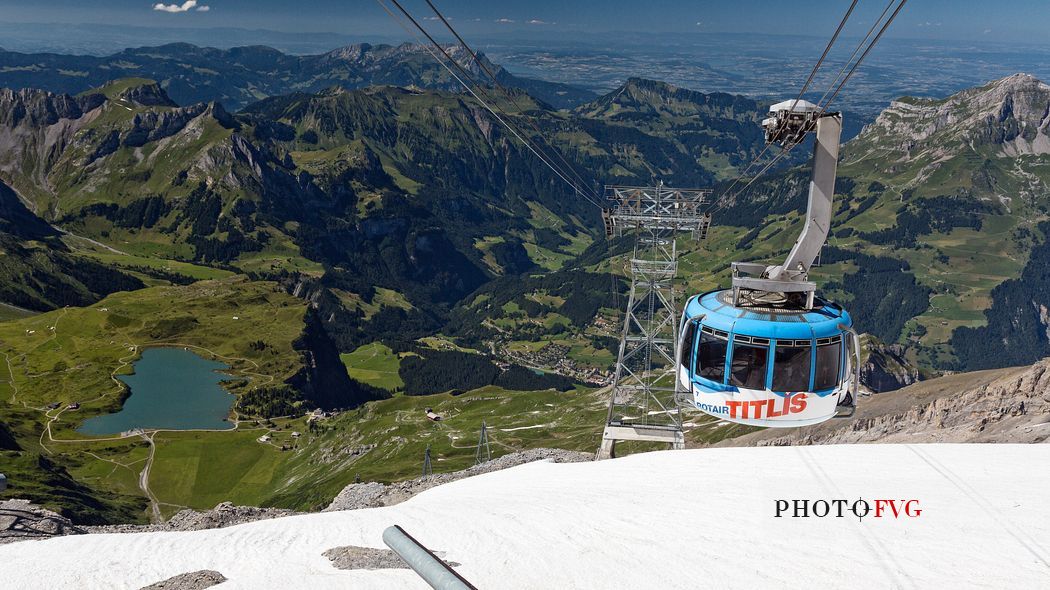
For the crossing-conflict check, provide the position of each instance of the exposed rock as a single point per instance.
(886, 368)
(189, 581)
(359, 495)
(364, 558)
(978, 407)
(1009, 114)
(373, 495)
(224, 515)
(39, 108)
(36, 127)
(377, 59)
(367, 558)
(148, 95)
(152, 125)
(21, 520)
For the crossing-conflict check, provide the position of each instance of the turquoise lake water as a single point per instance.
(172, 388)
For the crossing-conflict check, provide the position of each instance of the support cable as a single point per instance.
(465, 74)
(805, 87)
(513, 100)
(833, 95)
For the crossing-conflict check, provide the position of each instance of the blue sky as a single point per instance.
(1011, 20)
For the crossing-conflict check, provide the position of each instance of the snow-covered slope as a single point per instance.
(677, 519)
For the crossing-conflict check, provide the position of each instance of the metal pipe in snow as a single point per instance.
(430, 567)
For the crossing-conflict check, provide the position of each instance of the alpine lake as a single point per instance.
(171, 389)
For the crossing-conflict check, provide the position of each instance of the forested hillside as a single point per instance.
(396, 240)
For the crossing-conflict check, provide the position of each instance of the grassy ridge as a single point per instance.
(374, 364)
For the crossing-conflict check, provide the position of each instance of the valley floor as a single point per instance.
(677, 519)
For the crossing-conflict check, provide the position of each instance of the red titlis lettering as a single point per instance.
(767, 408)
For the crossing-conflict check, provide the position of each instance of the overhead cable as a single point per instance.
(836, 84)
(463, 73)
(511, 98)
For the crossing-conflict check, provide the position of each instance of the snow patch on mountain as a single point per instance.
(676, 519)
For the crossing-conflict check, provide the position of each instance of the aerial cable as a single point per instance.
(513, 100)
(824, 107)
(805, 87)
(827, 49)
(856, 50)
(469, 89)
(465, 74)
(865, 54)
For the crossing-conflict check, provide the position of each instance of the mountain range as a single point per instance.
(410, 240)
(242, 75)
(345, 191)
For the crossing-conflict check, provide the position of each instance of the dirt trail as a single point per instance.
(154, 503)
(134, 351)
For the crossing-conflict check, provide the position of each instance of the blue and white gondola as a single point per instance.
(767, 367)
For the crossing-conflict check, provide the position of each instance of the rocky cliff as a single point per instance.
(886, 368)
(1011, 115)
(998, 406)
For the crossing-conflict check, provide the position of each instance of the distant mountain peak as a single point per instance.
(647, 84)
(1020, 81)
(651, 97)
(933, 142)
(369, 55)
(351, 53)
(1006, 117)
(148, 94)
(333, 91)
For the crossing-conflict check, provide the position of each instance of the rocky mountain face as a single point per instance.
(20, 520)
(886, 367)
(367, 182)
(1010, 116)
(982, 142)
(34, 126)
(999, 406)
(242, 75)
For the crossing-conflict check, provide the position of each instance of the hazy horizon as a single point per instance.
(962, 20)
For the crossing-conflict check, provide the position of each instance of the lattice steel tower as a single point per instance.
(643, 404)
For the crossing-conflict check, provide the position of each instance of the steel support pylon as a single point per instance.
(643, 402)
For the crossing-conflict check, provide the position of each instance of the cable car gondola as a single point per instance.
(768, 351)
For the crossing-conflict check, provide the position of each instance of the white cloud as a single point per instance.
(184, 7)
(504, 20)
(537, 21)
(986, 31)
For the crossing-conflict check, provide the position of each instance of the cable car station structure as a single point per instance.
(643, 404)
